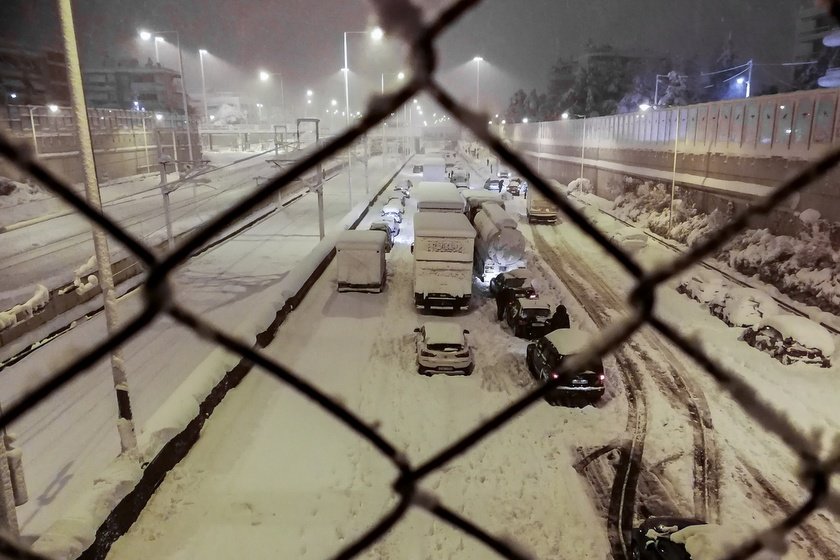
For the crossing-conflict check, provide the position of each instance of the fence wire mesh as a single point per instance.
(403, 19)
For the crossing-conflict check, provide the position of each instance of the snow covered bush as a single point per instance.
(582, 186)
(804, 265)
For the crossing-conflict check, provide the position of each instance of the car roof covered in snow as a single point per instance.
(801, 329)
(569, 341)
(443, 224)
(443, 332)
(527, 303)
(361, 239)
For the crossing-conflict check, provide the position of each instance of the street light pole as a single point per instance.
(478, 60)
(201, 53)
(184, 97)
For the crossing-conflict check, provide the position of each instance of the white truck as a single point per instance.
(443, 261)
(540, 209)
(360, 258)
(499, 246)
(438, 196)
(434, 169)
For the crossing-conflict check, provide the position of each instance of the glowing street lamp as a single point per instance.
(201, 53)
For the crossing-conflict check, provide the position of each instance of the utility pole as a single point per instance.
(125, 423)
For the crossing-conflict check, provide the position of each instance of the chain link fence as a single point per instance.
(403, 19)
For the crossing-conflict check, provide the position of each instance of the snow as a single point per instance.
(569, 341)
(498, 216)
(443, 332)
(13, 193)
(715, 542)
(361, 240)
(438, 197)
(802, 330)
(39, 299)
(443, 224)
(809, 216)
(526, 303)
(581, 185)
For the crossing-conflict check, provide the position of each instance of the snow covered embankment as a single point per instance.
(804, 266)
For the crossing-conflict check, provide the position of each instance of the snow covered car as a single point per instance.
(677, 538)
(652, 539)
(503, 173)
(700, 289)
(389, 232)
(515, 187)
(630, 239)
(743, 307)
(514, 289)
(493, 185)
(545, 357)
(392, 211)
(528, 318)
(442, 348)
(791, 339)
(500, 280)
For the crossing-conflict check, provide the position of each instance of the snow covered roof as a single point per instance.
(444, 332)
(431, 194)
(434, 160)
(361, 239)
(443, 224)
(801, 329)
(569, 341)
(526, 303)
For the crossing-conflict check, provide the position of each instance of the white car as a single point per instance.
(700, 289)
(392, 211)
(791, 339)
(630, 239)
(743, 307)
(442, 348)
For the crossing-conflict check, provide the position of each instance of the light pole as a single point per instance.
(53, 109)
(266, 76)
(400, 76)
(309, 94)
(201, 53)
(376, 34)
(478, 60)
(146, 35)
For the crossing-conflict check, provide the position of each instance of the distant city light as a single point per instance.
(145, 35)
(401, 76)
(740, 81)
(309, 102)
(478, 59)
(202, 51)
(264, 76)
(644, 106)
(525, 120)
(376, 34)
(53, 108)
(504, 121)
(13, 96)
(159, 117)
(309, 93)
(565, 115)
(212, 117)
(333, 102)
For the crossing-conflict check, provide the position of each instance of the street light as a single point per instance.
(266, 76)
(146, 35)
(201, 53)
(478, 60)
(565, 116)
(525, 120)
(53, 109)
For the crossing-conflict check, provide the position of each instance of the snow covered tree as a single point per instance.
(676, 94)
(517, 108)
(638, 94)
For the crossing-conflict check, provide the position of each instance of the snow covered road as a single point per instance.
(274, 476)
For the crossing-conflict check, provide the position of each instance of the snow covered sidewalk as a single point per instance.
(69, 439)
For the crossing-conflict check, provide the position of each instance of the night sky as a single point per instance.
(519, 40)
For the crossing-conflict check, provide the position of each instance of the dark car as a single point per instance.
(417, 169)
(514, 289)
(545, 358)
(652, 539)
(515, 187)
(528, 318)
(501, 280)
(494, 185)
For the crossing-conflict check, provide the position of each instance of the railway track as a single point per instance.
(644, 352)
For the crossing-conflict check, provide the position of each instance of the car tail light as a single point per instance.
(602, 377)
(555, 375)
